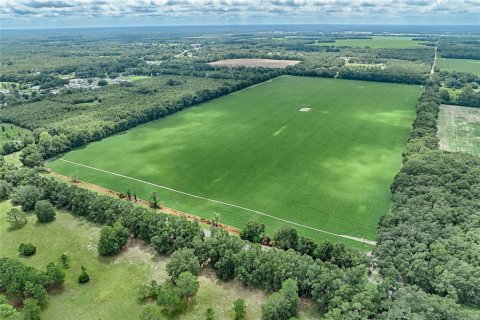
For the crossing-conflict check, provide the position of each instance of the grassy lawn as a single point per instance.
(112, 291)
(459, 129)
(136, 78)
(329, 168)
(460, 65)
(378, 42)
(10, 131)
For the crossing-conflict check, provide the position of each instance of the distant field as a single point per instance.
(114, 280)
(328, 168)
(460, 65)
(267, 63)
(459, 129)
(10, 131)
(377, 42)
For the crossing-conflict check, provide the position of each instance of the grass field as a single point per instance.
(115, 280)
(329, 168)
(459, 129)
(378, 42)
(10, 131)
(460, 65)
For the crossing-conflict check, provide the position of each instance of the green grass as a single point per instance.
(378, 42)
(459, 129)
(459, 65)
(136, 78)
(10, 131)
(329, 168)
(112, 292)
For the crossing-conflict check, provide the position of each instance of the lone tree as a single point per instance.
(183, 260)
(112, 239)
(16, 219)
(154, 200)
(253, 232)
(44, 211)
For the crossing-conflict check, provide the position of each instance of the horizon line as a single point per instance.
(244, 24)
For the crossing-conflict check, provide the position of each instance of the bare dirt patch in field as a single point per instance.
(265, 63)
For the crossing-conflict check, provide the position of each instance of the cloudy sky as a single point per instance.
(89, 13)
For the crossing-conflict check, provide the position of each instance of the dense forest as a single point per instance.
(431, 237)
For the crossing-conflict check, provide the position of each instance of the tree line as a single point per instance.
(431, 236)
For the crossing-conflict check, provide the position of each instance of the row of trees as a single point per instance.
(339, 292)
(431, 237)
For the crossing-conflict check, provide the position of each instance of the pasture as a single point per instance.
(459, 65)
(254, 155)
(114, 280)
(459, 129)
(377, 42)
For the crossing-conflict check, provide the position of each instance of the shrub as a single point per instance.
(54, 275)
(151, 312)
(64, 260)
(44, 211)
(27, 249)
(240, 309)
(84, 277)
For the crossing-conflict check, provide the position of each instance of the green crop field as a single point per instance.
(460, 65)
(115, 281)
(254, 155)
(378, 42)
(459, 129)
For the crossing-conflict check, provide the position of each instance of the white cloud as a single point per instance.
(15, 12)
